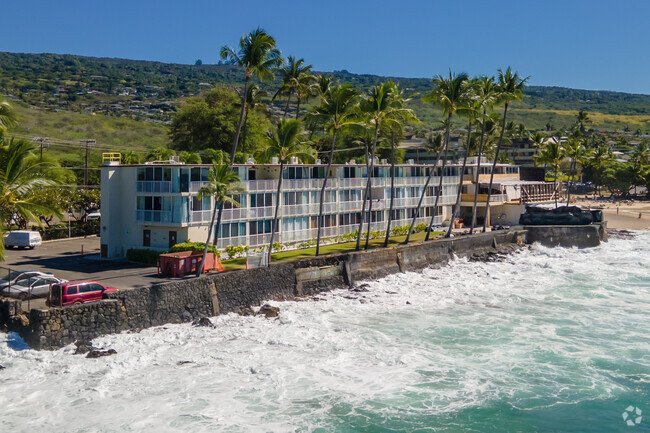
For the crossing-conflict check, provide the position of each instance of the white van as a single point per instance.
(23, 239)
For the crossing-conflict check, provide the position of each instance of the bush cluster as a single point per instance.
(60, 231)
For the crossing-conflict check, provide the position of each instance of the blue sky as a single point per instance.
(596, 44)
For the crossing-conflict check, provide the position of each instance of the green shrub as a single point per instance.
(194, 246)
(62, 231)
(422, 227)
(147, 256)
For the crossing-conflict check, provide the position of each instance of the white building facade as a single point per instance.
(156, 206)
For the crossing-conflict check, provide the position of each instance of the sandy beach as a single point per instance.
(626, 215)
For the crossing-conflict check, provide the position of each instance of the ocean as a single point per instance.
(547, 340)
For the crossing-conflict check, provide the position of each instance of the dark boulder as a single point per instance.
(203, 321)
(99, 353)
(269, 311)
(82, 347)
(246, 311)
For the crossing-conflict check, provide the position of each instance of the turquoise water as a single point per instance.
(550, 340)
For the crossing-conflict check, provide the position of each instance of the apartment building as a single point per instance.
(155, 205)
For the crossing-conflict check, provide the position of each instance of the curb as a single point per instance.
(70, 239)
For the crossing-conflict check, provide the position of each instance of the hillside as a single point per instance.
(127, 103)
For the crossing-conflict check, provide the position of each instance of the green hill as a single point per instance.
(126, 104)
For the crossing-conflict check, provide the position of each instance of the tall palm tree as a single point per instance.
(160, 153)
(292, 71)
(576, 152)
(435, 145)
(469, 109)
(285, 143)
(510, 88)
(253, 99)
(259, 57)
(222, 184)
(22, 177)
(306, 87)
(379, 106)
(486, 97)
(336, 110)
(582, 119)
(448, 94)
(552, 154)
(399, 117)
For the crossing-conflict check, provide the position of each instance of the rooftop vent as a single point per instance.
(352, 162)
(275, 160)
(384, 161)
(174, 159)
(294, 160)
(250, 161)
(318, 161)
(410, 162)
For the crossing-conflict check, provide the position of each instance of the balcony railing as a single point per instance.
(153, 186)
(153, 216)
(200, 216)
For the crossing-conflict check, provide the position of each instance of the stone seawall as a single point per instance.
(190, 299)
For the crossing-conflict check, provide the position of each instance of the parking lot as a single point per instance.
(78, 259)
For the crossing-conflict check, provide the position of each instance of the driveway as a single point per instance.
(64, 259)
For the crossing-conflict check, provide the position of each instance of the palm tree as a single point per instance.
(336, 110)
(469, 109)
(213, 156)
(285, 143)
(253, 99)
(576, 151)
(379, 106)
(130, 157)
(306, 87)
(400, 115)
(22, 177)
(448, 94)
(7, 117)
(222, 184)
(292, 72)
(485, 99)
(258, 56)
(582, 119)
(537, 141)
(552, 154)
(435, 145)
(510, 88)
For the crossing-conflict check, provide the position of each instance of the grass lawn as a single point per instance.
(240, 263)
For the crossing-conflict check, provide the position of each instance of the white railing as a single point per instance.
(153, 186)
(153, 216)
(257, 240)
(291, 184)
(200, 216)
(237, 240)
(254, 186)
(196, 186)
(234, 214)
(261, 212)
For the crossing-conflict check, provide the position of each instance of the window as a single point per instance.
(232, 230)
(237, 198)
(318, 172)
(377, 215)
(349, 219)
(350, 195)
(201, 204)
(72, 290)
(259, 227)
(262, 200)
(330, 196)
(327, 221)
(293, 198)
(295, 173)
(349, 172)
(92, 287)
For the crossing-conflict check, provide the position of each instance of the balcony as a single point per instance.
(153, 216)
(482, 198)
(153, 186)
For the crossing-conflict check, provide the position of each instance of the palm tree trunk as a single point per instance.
(572, 170)
(199, 269)
(298, 108)
(416, 213)
(277, 207)
(442, 175)
(392, 186)
(363, 201)
(494, 165)
(241, 120)
(286, 109)
(460, 182)
(243, 139)
(370, 175)
(555, 184)
(322, 192)
(478, 174)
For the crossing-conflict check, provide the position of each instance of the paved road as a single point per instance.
(64, 259)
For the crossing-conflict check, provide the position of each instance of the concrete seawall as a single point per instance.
(190, 299)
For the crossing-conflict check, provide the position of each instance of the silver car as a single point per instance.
(34, 287)
(18, 277)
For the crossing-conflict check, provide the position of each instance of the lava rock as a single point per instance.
(203, 321)
(184, 362)
(99, 353)
(83, 347)
(269, 311)
(2, 367)
(246, 311)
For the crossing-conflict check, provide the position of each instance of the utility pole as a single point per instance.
(87, 144)
(41, 141)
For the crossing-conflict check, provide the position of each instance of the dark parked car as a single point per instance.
(78, 292)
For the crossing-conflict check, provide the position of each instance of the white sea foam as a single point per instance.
(544, 327)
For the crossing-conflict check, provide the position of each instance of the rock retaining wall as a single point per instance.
(192, 298)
